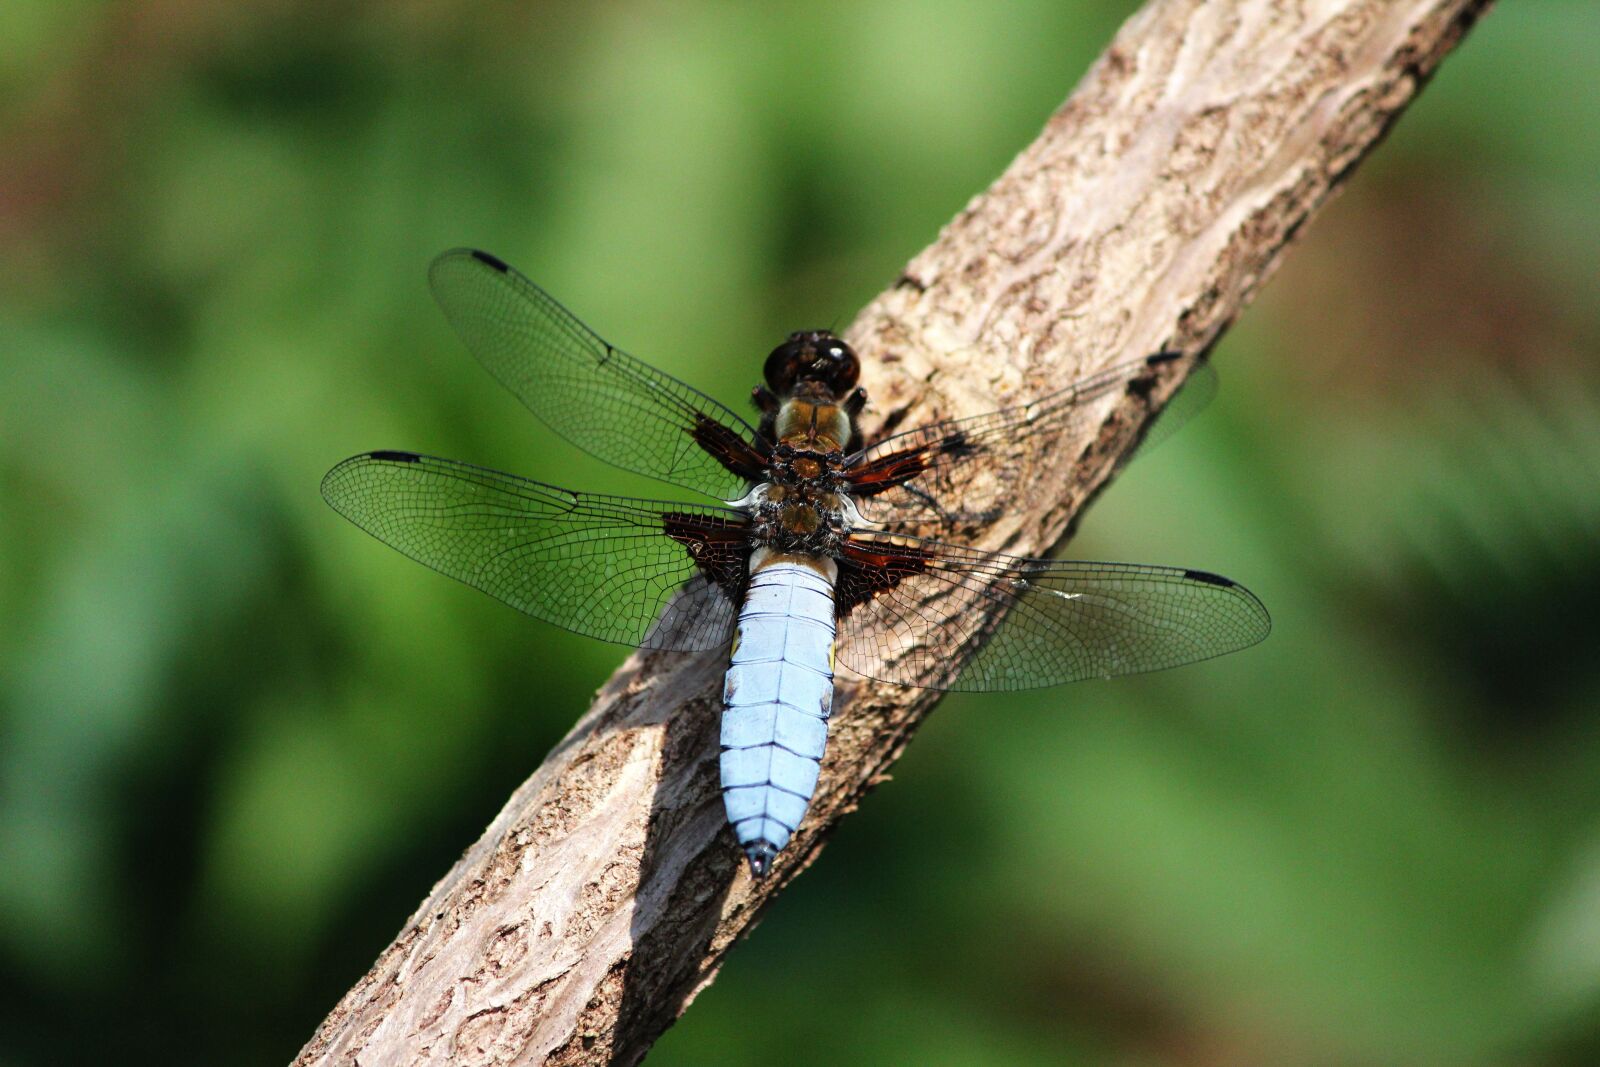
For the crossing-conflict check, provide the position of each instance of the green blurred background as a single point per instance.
(239, 739)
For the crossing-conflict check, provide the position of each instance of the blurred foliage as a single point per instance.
(239, 740)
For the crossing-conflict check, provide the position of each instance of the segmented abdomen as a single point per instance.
(777, 698)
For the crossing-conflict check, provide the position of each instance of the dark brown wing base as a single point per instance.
(720, 548)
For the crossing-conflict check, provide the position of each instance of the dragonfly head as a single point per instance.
(813, 356)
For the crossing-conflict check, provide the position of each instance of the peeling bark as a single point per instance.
(1151, 208)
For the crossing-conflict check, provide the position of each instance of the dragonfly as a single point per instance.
(816, 549)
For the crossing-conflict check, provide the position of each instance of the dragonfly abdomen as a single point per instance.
(776, 701)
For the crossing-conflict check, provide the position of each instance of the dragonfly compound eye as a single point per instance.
(784, 365)
(813, 356)
(836, 365)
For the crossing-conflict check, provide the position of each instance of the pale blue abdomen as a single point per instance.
(776, 700)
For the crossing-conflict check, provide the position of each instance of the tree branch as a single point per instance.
(1158, 198)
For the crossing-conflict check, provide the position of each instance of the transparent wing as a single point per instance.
(1199, 389)
(946, 617)
(637, 572)
(601, 399)
(962, 472)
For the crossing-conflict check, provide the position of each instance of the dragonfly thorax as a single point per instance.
(808, 423)
(807, 470)
(798, 520)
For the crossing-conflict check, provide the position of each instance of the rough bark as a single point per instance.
(1155, 202)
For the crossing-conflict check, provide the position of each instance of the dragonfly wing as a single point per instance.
(603, 400)
(636, 572)
(1199, 389)
(918, 612)
(959, 473)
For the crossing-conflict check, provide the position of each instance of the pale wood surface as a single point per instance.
(1145, 216)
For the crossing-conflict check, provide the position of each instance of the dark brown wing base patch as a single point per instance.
(896, 468)
(719, 547)
(729, 448)
(869, 569)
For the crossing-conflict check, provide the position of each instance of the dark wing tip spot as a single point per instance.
(488, 260)
(1210, 579)
(396, 457)
(1163, 357)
